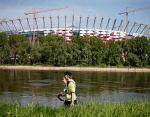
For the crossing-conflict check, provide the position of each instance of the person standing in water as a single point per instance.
(69, 91)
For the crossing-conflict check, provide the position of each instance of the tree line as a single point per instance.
(82, 51)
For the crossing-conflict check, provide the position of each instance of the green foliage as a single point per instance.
(4, 48)
(3, 39)
(82, 51)
(19, 47)
(137, 52)
(98, 49)
(113, 54)
(90, 109)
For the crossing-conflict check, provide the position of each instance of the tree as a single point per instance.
(4, 48)
(113, 55)
(97, 50)
(35, 55)
(83, 52)
(19, 47)
(137, 51)
(53, 50)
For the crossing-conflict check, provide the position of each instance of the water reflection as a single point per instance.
(43, 86)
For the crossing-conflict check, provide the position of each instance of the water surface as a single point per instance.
(43, 86)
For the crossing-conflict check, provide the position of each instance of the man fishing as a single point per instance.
(69, 91)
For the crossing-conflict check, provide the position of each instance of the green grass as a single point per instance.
(91, 109)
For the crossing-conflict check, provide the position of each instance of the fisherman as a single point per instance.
(69, 91)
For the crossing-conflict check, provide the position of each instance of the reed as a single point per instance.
(91, 109)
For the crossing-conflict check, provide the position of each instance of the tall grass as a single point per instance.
(91, 109)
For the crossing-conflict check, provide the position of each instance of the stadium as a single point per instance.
(68, 26)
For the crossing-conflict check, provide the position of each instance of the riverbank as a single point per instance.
(96, 69)
(92, 109)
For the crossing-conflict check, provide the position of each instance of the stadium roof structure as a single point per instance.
(73, 23)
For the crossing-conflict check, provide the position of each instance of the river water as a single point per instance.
(42, 87)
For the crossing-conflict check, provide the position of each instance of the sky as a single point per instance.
(14, 9)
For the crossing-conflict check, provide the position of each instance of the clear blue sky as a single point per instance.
(13, 9)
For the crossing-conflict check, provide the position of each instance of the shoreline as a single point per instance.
(88, 69)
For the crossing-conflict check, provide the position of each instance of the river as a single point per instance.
(42, 87)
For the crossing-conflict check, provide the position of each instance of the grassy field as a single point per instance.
(92, 109)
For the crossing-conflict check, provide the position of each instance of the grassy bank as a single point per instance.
(92, 109)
